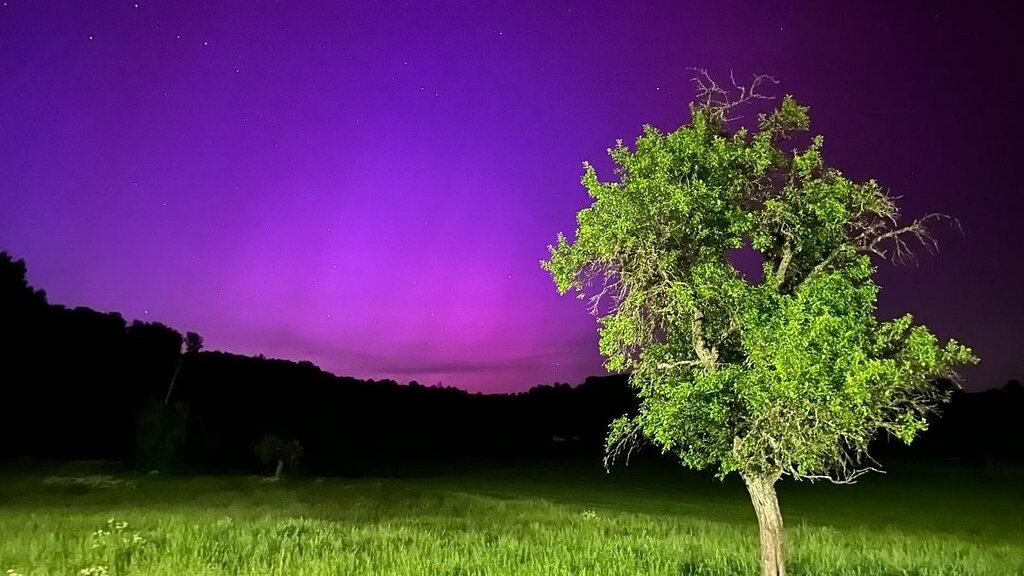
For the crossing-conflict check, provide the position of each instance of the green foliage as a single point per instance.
(793, 374)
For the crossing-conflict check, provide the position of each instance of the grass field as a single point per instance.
(567, 520)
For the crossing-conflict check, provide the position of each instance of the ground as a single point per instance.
(570, 519)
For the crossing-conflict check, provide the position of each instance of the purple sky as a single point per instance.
(370, 186)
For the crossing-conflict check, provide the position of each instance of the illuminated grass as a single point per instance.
(519, 522)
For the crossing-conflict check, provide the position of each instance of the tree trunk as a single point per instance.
(280, 467)
(170, 387)
(769, 520)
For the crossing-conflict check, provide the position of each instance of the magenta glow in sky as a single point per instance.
(370, 186)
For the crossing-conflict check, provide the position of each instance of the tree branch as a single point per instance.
(174, 378)
(708, 354)
(787, 257)
(595, 300)
(628, 442)
(719, 102)
(901, 252)
(869, 241)
(850, 478)
(820, 267)
(680, 364)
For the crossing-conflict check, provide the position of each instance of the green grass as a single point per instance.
(530, 521)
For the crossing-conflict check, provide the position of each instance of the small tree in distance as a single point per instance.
(274, 450)
(193, 342)
(787, 375)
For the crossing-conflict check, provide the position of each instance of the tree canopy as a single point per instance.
(791, 373)
(787, 374)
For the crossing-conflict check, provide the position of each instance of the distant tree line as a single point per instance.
(76, 384)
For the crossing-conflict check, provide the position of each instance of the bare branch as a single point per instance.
(680, 364)
(174, 379)
(719, 101)
(615, 288)
(850, 478)
(874, 233)
(901, 252)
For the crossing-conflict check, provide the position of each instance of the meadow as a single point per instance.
(567, 519)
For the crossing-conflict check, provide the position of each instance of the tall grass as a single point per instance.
(522, 522)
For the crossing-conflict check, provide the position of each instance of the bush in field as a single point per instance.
(163, 429)
(274, 450)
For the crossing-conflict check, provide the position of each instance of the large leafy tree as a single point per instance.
(786, 374)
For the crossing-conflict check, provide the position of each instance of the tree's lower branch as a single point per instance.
(708, 355)
(783, 268)
(626, 442)
(680, 364)
(846, 479)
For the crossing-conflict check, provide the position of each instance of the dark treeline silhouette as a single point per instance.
(76, 384)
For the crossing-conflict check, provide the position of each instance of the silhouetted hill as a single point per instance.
(79, 384)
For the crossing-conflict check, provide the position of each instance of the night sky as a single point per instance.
(370, 186)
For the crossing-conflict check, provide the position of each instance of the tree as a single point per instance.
(273, 449)
(193, 342)
(163, 430)
(790, 374)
